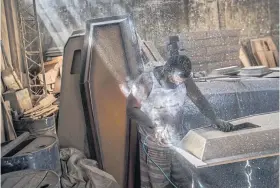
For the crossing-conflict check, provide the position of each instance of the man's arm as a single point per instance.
(204, 106)
(139, 92)
(140, 117)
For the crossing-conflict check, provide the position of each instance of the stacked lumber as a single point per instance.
(44, 108)
(16, 102)
(243, 56)
(259, 52)
(265, 52)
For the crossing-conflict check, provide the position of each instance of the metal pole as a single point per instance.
(32, 48)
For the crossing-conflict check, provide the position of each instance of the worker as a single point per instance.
(156, 104)
(157, 97)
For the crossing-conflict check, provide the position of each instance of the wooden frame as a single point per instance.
(110, 56)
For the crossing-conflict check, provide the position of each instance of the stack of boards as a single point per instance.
(44, 108)
(259, 52)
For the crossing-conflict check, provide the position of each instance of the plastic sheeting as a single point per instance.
(79, 172)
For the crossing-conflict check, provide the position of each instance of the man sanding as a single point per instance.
(156, 103)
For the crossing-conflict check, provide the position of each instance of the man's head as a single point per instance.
(177, 69)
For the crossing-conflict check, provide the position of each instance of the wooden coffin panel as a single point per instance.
(108, 49)
(71, 123)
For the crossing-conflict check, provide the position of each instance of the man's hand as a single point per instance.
(223, 125)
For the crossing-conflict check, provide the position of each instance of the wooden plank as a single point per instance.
(57, 85)
(265, 51)
(52, 72)
(270, 43)
(14, 143)
(71, 122)
(13, 33)
(51, 112)
(147, 54)
(2, 87)
(272, 47)
(249, 52)
(17, 79)
(254, 51)
(153, 51)
(4, 32)
(45, 110)
(244, 57)
(276, 57)
(9, 76)
(270, 58)
(105, 104)
(9, 80)
(37, 109)
(3, 137)
(10, 133)
(17, 40)
(262, 59)
(49, 99)
(50, 76)
(20, 100)
(258, 52)
(53, 61)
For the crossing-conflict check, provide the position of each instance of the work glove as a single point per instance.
(223, 125)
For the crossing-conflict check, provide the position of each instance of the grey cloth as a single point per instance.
(80, 172)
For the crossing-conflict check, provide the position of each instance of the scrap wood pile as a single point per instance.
(47, 106)
(20, 98)
(16, 101)
(21, 105)
(259, 52)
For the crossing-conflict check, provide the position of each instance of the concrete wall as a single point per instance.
(157, 19)
(213, 49)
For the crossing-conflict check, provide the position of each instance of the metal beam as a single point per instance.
(32, 48)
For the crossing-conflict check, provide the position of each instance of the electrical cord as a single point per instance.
(157, 164)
